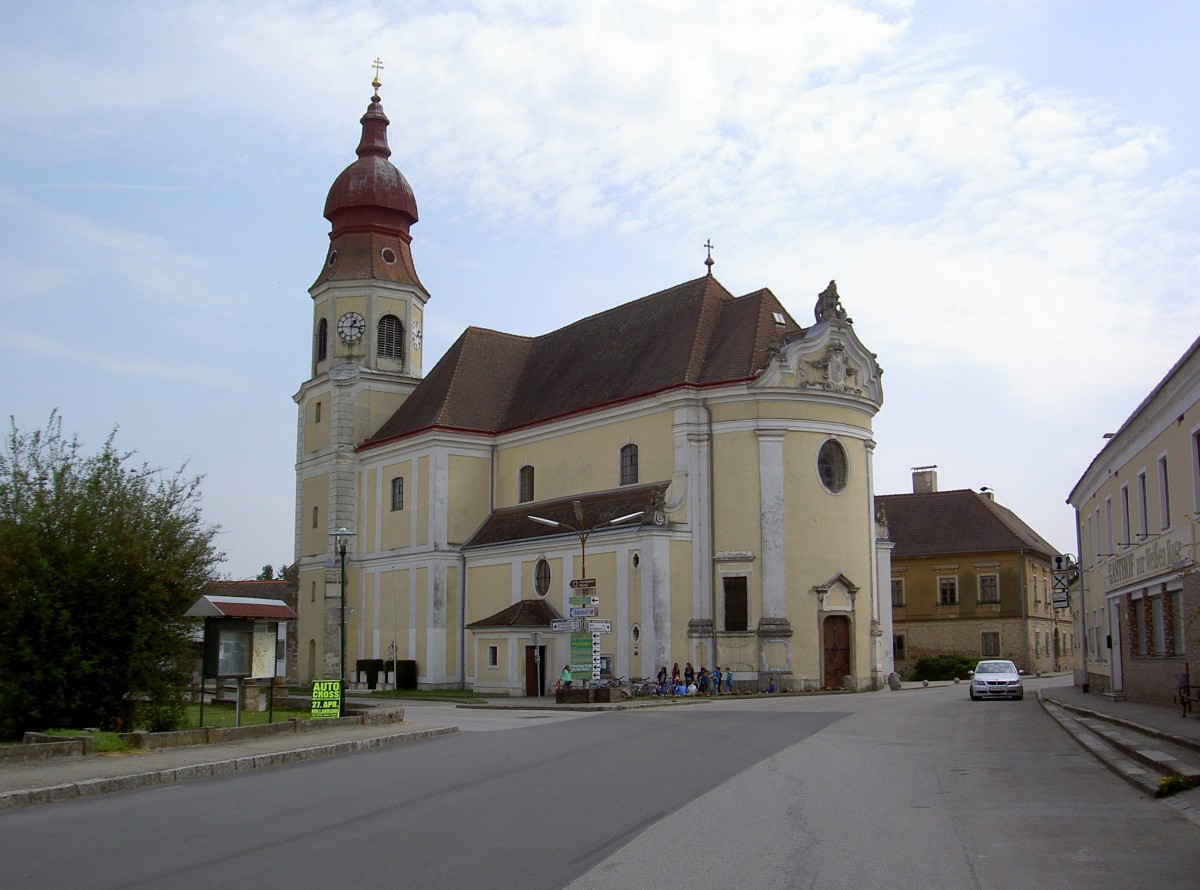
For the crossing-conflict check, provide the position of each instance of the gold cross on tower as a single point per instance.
(378, 66)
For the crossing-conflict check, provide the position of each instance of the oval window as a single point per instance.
(541, 577)
(831, 466)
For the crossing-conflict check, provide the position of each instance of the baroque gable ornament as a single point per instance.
(837, 369)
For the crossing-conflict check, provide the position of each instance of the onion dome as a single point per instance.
(371, 207)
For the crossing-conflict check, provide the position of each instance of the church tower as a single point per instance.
(368, 311)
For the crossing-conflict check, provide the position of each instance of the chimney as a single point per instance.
(925, 479)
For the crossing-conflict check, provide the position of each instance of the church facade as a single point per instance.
(686, 477)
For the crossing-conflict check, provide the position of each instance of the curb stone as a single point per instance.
(91, 787)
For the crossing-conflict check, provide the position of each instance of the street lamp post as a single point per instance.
(582, 531)
(341, 539)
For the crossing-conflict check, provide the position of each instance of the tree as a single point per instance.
(99, 559)
(267, 573)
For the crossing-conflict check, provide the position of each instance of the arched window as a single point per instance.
(629, 464)
(526, 484)
(390, 342)
(541, 577)
(321, 347)
(831, 465)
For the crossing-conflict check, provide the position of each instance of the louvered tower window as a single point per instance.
(322, 347)
(391, 338)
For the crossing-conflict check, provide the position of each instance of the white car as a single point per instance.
(996, 679)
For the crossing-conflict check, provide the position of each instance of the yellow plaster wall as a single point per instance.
(316, 434)
(470, 483)
(397, 525)
(489, 589)
(453, 620)
(422, 505)
(586, 460)
(314, 493)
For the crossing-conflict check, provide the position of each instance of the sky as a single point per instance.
(1006, 193)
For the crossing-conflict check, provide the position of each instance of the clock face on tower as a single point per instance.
(350, 326)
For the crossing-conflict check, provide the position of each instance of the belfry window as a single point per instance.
(321, 347)
(526, 484)
(391, 338)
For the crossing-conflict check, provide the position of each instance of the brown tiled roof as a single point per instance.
(693, 334)
(526, 613)
(248, 588)
(219, 606)
(599, 507)
(960, 521)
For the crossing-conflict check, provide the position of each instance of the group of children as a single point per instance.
(688, 682)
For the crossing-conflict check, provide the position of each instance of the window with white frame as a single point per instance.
(629, 464)
(1196, 471)
(493, 656)
(397, 493)
(1178, 626)
(1143, 514)
(541, 577)
(1164, 495)
(1126, 538)
(989, 588)
(1108, 527)
(1139, 616)
(948, 590)
(1159, 627)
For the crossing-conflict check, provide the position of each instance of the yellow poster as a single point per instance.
(326, 699)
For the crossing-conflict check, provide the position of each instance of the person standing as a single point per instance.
(729, 679)
(565, 679)
(716, 679)
(675, 675)
(689, 674)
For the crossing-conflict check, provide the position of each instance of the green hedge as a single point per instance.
(944, 667)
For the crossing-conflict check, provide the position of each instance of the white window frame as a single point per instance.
(1164, 494)
(1143, 511)
(493, 655)
(1126, 528)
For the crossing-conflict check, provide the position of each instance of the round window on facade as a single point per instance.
(541, 577)
(636, 633)
(831, 466)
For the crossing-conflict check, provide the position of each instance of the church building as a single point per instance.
(685, 477)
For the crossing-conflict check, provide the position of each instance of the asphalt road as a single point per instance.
(919, 789)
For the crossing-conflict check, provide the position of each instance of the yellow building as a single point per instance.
(1137, 508)
(969, 577)
(698, 464)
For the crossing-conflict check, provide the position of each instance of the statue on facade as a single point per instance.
(829, 305)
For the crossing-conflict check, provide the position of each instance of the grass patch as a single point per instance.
(106, 742)
(222, 715)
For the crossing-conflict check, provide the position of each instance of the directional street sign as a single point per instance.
(583, 612)
(566, 625)
(597, 626)
(583, 582)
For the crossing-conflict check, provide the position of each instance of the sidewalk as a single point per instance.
(43, 781)
(1162, 721)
